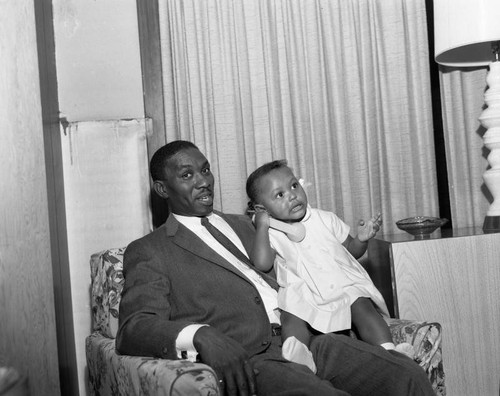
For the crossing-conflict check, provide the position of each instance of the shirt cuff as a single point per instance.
(184, 342)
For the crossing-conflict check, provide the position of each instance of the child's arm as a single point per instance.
(366, 230)
(262, 254)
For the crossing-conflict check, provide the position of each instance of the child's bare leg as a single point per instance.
(373, 329)
(370, 325)
(293, 326)
(296, 336)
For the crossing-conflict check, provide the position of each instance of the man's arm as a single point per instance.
(145, 328)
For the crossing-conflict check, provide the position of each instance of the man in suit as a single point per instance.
(188, 293)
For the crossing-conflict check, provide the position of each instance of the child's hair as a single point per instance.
(256, 175)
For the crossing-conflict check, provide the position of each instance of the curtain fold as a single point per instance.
(340, 89)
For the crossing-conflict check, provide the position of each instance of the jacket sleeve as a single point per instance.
(145, 328)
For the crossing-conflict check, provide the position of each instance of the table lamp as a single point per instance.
(467, 34)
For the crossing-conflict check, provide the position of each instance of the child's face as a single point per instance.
(282, 195)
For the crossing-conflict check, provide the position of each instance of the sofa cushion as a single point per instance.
(106, 272)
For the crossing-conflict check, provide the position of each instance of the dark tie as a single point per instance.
(225, 241)
(231, 247)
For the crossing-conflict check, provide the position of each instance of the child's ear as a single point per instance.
(259, 208)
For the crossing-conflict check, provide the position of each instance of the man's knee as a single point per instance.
(277, 377)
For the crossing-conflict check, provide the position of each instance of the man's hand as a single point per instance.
(367, 230)
(229, 360)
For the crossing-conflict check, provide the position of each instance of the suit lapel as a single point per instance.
(188, 240)
(247, 241)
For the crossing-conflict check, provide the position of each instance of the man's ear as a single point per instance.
(160, 188)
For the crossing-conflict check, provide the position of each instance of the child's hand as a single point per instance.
(261, 219)
(367, 230)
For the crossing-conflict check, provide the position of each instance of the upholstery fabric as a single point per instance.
(426, 340)
(106, 271)
(113, 374)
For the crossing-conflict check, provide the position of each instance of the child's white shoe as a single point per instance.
(297, 352)
(404, 348)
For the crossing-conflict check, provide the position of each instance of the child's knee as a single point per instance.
(362, 304)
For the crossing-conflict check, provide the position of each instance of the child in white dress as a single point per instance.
(323, 288)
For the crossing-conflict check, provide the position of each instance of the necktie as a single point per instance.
(231, 247)
(225, 241)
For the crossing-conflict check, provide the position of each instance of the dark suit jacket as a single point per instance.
(173, 279)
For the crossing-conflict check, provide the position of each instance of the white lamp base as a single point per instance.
(490, 119)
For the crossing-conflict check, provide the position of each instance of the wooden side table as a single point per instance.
(452, 278)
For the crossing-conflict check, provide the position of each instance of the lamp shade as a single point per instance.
(464, 31)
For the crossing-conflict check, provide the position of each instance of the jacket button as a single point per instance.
(257, 300)
(265, 342)
(164, 350)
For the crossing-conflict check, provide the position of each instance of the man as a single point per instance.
(186, 292)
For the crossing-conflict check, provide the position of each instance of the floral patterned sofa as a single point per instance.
(114, 374)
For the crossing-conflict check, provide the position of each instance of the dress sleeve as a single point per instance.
(338, 228)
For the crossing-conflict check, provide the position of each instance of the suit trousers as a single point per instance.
(345, 366)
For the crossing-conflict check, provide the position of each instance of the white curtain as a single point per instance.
(462, 97)
(339, 88)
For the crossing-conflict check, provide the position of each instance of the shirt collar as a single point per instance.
(191, 220)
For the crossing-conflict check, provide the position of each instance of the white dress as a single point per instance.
(319, 279)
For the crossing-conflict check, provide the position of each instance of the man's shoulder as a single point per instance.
(168, 229)
(152, 238)
(159, 234)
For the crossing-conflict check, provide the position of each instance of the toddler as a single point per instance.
(323, 288)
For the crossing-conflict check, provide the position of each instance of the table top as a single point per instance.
(438, 234)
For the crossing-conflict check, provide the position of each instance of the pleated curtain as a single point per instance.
(340, 89)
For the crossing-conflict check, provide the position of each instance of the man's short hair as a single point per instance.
(163, 154)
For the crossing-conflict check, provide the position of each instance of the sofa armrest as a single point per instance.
(425, 337)
(114, 374)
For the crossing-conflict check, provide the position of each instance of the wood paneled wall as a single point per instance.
(27, 324)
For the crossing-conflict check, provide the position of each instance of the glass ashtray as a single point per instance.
(421, 226)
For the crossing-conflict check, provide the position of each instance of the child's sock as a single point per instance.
(297, 352)
(388, 345)
(404, 348)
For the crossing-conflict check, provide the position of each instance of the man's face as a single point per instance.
(282, 195)
(188, 184)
